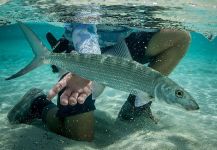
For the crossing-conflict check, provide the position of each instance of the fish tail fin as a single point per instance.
(39, 50)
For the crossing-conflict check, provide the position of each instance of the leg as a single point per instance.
(78, 120)
(76, 127)
(167, 48)
(52, 122)
(80, 127)
(77, 124)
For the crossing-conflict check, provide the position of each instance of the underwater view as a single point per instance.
(178, 39)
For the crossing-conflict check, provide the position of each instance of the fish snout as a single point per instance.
(198, 107)
(193, 106)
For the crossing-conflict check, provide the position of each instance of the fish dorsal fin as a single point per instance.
(120, 50)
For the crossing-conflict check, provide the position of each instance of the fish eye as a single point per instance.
(179, 93)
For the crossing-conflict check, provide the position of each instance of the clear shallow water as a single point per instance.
(177, 129)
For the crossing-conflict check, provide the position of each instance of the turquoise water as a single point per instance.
(177, 128)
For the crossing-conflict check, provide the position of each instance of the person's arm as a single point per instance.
(85, 40)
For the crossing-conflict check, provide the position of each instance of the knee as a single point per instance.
(80, 127)
(183, 40)
(79, 134)
(185, 36)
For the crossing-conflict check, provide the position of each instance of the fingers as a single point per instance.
(82, 97)
(58, 87)
(68, 98)
(73, 98)
(73, 94)
(83, 94)
(64, 98)
(87, 90)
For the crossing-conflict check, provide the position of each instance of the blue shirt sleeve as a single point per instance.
(84, 37)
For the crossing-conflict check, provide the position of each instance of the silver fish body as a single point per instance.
(116, 72)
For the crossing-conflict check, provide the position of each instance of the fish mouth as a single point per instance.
(193, 107)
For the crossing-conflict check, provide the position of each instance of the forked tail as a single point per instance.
(38, 49)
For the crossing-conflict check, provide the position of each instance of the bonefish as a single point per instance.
(115, 72)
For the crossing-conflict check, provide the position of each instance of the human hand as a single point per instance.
(77, 90)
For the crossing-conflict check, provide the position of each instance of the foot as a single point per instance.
(130, 112)
(22, 112)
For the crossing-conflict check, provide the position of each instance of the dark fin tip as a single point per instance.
(51, 39)
(9, 78)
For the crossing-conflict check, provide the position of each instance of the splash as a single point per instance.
(193, 15)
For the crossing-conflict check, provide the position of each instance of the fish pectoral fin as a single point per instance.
(97, 89)
(145, 96)
(141, 97)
